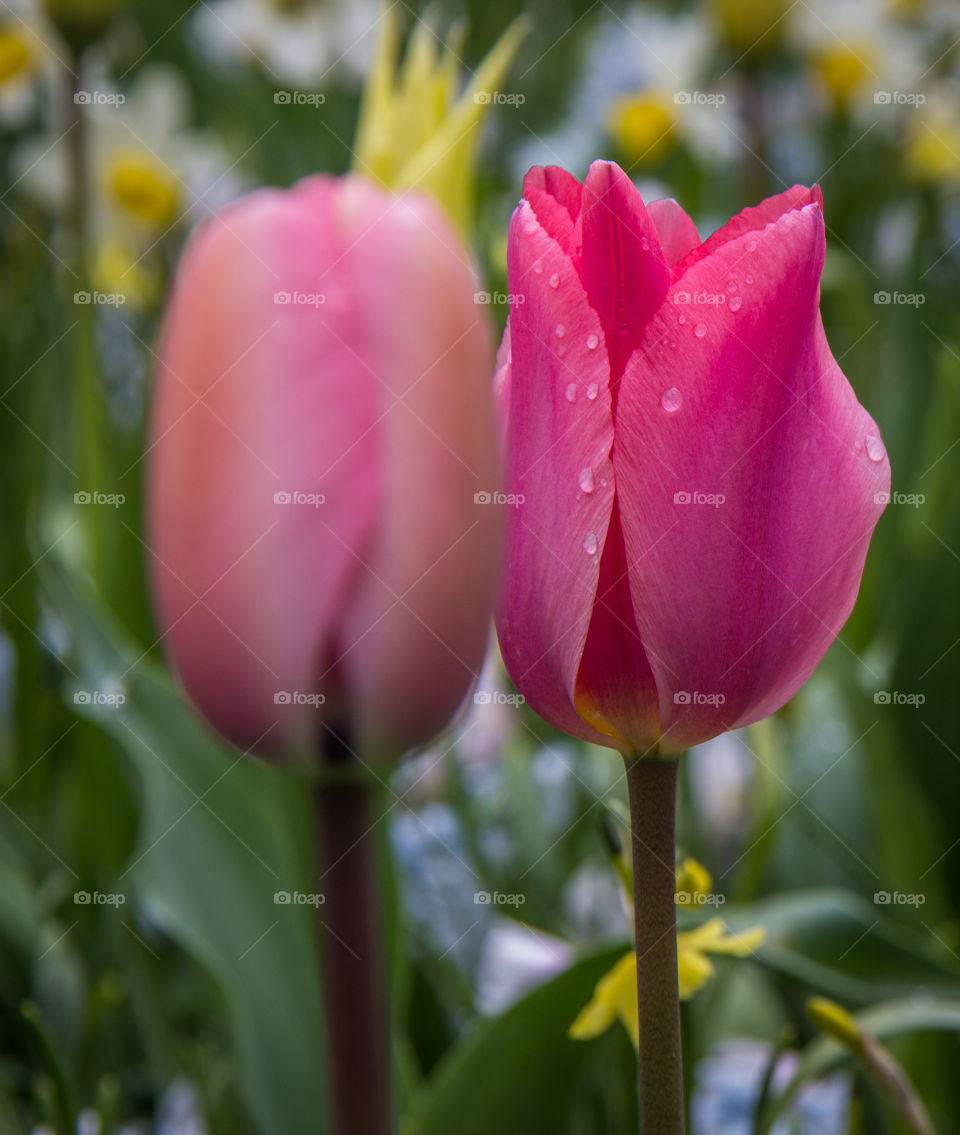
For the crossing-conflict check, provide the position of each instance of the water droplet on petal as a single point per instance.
(731, 286)
(736, 302)
(560, 331)
(592, 342)
(554, 280)
(538, 267)
(585, 480)
(700, 330)
(571, 392)
(751, 245)
(671, 400)
(875, 447)
(592, 391)
(645, 244)
(590, 544)
(682, 318)
(748, 279)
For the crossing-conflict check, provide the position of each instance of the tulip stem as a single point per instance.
(353, 955)
(652, 786)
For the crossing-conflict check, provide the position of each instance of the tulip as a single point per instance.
(699, 481)
(321, 424)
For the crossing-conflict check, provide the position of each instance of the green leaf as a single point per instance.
(220, 834)
(520, 1072)
(892, 1018)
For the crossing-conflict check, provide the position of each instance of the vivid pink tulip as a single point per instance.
(699, 481)
(321, 422)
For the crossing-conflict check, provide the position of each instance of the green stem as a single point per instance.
(652, 786)
(353, 976)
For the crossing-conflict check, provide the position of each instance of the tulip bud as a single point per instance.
(320, 428)
(699, 482)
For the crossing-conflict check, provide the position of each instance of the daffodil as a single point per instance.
(27, 60)
(415, 131)
(615, 995)
(150, 174)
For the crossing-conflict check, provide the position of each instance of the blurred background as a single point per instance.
(156, 954)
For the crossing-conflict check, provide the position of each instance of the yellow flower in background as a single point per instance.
(932, 151)
(750, 26)
(16, 55)
(642, 125)
(414, 132)
(844, 68)
(615, 995)
(136, 181)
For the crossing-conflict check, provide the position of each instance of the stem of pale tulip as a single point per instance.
(353, 973)
(652, 785)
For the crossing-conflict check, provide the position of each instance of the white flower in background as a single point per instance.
(150, 172)
(28, 60)
(861, 58)
(645, 85)
(293, 41)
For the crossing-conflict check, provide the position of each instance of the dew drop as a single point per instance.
(748, 279)
(592, 342)
(875, 447)
(671, 400)
(585, 480)
(560, 331)
(731, 286)
(538, 267)
(554, 280)
(751, 245)
(590, 544)
(571, 392)
(700, 330)
(592, 391)
(736, 302)
(682, 318)
(645, 244)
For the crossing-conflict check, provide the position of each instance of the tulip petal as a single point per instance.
(560, 433)
(677, 232)
(555, 195)
(409, 645)
(622, 267)
(738, 599)
(222, 446)
(753, 219)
